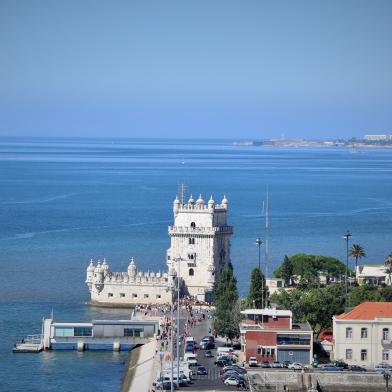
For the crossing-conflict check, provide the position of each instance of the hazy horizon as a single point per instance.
(208, 70)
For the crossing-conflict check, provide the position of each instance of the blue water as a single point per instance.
(63, 201)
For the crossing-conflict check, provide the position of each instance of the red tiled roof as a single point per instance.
(368, 311)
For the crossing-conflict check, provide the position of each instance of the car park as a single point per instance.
(237, 368)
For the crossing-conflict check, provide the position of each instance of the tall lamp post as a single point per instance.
(347, 237)
(259, 242)
(178, 260)
(172, 274)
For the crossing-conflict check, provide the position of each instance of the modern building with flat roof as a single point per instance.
(116, 335)
(271, 335)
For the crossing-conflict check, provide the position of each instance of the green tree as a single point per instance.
(227, 305)
(365, 292)
(309, 267)
(388, 260)
(287, 271)
(357, 252)
(314, 305)
(257, 295)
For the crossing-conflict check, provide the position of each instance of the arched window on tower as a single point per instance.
(191, 272)
(193, 225)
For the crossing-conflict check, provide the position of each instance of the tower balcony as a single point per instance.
(185, 230)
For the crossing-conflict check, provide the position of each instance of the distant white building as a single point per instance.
(200, 250)
(378, 138)
(363, 335)
(372, 274)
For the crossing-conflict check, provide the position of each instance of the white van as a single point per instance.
(190, 339)
(190, 359)
(224, 350)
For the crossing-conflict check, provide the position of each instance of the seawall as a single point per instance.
(263, 381)
(140, 368)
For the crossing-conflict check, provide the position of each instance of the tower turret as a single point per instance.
(98, 277)
(105, 267)
(200, 201)
(132, 270)
(176, 206)
(90, 274)
(211, 203)
(225, 202)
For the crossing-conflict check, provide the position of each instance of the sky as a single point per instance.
(195, 69)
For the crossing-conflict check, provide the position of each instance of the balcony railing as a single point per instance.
(200, 230)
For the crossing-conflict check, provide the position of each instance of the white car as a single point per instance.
(296, 366)
(231, 381)
(253, 362)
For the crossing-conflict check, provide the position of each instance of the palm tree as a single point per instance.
(388, 271)
(388, 260)
(356, 252)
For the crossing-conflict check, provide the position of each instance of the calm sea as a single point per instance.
(63, 201)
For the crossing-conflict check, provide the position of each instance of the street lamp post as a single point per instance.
(178, 320)
(259, 243)
(347, 237)
(172, 274)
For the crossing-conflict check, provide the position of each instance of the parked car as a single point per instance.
(207, 346)
(208, 354)
(265, 365)
(341, 364)
(330, 367)
(253, 362)
(356, 368)
(222, 362)
(237, 345)
(232, 373)
(383, 367)
(286, 364)
(190, 359)
(277, 365)
(232, 381)
(237, 368)
(295, 366)
(201, 371)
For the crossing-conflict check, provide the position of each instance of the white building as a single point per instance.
(274, 284)
(378, 138)
(372, 274)
(363, 335)
(199, 250)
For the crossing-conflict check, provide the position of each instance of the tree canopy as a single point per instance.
(257, 291)
(309, 267)
(227, 305)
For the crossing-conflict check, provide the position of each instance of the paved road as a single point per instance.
(212, 381)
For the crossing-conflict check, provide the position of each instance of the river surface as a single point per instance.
(63, 201)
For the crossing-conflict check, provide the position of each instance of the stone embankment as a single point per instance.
(141, 368)
(275, 380)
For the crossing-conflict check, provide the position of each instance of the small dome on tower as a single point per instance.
(200, 200)
(224, 200)
(176, 200)
(191, 200)
(98, 268)
(91, 267)
(211, 202)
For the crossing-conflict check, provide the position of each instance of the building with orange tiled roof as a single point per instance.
(363, 336)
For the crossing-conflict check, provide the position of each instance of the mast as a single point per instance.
(266, 233)
(182, 189)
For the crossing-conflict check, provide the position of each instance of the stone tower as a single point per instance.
(200, 242)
